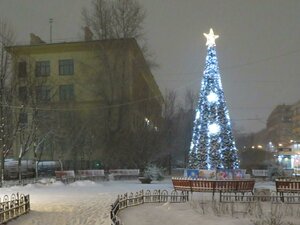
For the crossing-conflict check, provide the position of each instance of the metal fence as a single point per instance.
(260, 204)
(134, 199)
(13, 207)
(274, 198)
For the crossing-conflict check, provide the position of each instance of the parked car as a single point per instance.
(11, 169)
(48, 168)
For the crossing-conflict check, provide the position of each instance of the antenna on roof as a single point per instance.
(50, 22)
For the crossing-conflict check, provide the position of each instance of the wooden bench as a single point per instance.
(181, 184)
(235, 186)
(124, 174)
(287, 186)
(90, 174)
(202, 185)
(66, 176)
(246, 186)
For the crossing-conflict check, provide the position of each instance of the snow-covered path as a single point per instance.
(79, 203)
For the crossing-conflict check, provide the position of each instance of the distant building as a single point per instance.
(279, 127)
(281, 136)
(296, 121)
(283, 128)
(79, 95)
(289, 154)
(289, 157)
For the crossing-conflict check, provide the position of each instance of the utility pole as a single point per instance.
(50, 22)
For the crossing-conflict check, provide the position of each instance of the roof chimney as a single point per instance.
(35, 40)
(88, 34)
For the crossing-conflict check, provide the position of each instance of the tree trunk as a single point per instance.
(61, 165)
(170, 163)
(19, 170)
(36, 165)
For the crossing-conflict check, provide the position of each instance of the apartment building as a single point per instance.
(283, 132)
(296, 121)
(279, 126)
(72, 97)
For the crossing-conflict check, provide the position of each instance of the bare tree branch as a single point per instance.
(6, 39)
(118, 19)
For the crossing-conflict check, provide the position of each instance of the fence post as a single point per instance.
(13, 207)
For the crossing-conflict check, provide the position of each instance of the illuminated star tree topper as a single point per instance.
(212, 144)
(211, 38)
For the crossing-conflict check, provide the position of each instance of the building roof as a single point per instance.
(130, 42)
(279, 109)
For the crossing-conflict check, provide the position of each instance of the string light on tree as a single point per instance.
(212, 97)
(213, 129)
(212, 144)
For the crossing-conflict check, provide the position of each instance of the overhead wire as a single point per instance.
(155, 96)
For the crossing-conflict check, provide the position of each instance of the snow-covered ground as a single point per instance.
(79, 203)
(88, 203)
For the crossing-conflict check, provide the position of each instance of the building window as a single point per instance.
(23, 118)
(66, 92)
(22, 69)
(42, 94)
(23, 94)
(42, 68)
(66, 67)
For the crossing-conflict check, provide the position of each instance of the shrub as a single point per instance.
(275, 171)
(153, 172)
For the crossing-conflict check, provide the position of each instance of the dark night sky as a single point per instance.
(258, 49)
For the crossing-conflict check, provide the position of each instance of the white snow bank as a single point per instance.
(84, 183)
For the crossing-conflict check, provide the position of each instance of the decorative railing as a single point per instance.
(13, 207)
(273, 198)
(157, 196)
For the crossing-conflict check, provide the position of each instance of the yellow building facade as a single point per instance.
(79, 95)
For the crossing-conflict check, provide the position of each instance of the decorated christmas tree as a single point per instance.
(212, 144)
